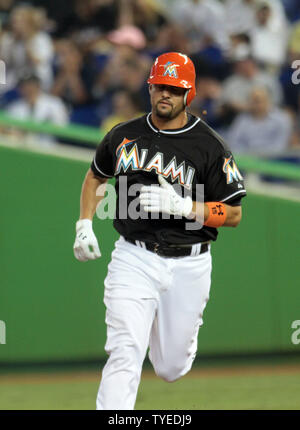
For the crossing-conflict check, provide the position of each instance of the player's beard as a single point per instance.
(170, 113)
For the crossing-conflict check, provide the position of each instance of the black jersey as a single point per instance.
(137, 151)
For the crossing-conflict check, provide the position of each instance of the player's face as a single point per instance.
(167, 101)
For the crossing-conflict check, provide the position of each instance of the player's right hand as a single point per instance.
(86, 245)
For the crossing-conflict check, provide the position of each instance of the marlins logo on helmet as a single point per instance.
(170, 69)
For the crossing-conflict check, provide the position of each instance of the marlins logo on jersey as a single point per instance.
(231, 170)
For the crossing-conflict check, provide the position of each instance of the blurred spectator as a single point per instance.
(5, 9)
(292, 9)
(295, 139)
(239, 16)
(147, 15)
(201, 20)
(237, 88)
(211, 58)
(128, 35)
(278, 17)
(74, 76)
(126, 69)
(206, 101)
(37, 105)
(269, 37)
(126, 106)
(26, 47)
(57, 10)
(89, 20)
(105, 48)
(170, 38)
(265, 130)
(240, 45)
(133, 76)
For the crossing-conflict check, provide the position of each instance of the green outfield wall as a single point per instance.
(52, 305)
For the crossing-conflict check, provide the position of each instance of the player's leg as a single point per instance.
(128, 328)
(131, 304)
(173, 339)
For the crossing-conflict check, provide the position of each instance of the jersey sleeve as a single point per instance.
(224, 182)
(102, 164)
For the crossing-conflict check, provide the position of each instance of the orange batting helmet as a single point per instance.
(176, 69)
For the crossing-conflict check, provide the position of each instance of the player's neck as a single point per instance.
(170, 124)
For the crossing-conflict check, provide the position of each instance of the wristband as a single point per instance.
(217, 214)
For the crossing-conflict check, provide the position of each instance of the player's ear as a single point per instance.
(150, 88)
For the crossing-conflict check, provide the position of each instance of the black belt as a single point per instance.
(170, 250)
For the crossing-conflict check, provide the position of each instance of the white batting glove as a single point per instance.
(165, 199)
(86, 245)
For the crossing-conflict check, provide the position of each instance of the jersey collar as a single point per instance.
(187, 127)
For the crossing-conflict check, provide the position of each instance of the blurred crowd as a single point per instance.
(87, 62)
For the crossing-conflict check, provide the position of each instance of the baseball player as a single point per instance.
(158, 280)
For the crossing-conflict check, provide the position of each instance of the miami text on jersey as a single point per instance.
(136, 160)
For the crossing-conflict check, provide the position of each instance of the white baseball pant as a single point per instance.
(152, 302)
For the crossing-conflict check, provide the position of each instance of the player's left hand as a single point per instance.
(165, 199)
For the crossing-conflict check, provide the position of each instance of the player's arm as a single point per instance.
(92, 192)
(165, 199)
(90, 197)
(86, 245)
(223, 183)
(217, 214)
